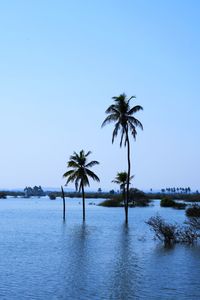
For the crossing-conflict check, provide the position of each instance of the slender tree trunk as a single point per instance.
(83, 198)
(129, 172)
(63, 196)
(124, 198)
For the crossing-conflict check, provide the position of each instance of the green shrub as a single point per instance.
(167, 202)
(142, 202)
(2, 195)
(52, 197)
(138, 198)
(193, 211)
(180, 205)
(116, 202)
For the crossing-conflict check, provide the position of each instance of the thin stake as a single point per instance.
(63, 196)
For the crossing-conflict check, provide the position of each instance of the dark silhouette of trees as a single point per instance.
(80, 173)
(99, 190)
(35, 191)
(121, 179)
(123, 116)
(180, 190)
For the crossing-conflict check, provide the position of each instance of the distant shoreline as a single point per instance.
(190, 197)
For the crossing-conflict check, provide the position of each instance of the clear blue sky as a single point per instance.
(60, 64)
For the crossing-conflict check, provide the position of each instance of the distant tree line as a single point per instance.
(178, 190)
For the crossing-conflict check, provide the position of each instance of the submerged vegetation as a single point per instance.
(137, 198)
(168, 202)
(171, 233)
(3, 195)
(52, 196)
(193, 211)
(165, 232)
(116, 201)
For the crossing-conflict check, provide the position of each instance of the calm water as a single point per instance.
(42, 258)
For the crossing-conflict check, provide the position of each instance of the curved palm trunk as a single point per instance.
(128, 178)
(83, 199)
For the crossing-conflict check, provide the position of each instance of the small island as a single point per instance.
(35, 191)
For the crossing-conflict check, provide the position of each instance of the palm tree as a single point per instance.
(123, 116)
(121, 179)
(80, 172)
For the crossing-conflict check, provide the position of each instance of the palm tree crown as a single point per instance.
(80, 173)
(121, 179)
(122, 114)
(80, 170)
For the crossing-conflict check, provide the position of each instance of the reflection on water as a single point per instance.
(44, 258)
(125, 272)
(75, 264)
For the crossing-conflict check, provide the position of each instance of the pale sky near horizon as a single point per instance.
(60, 64)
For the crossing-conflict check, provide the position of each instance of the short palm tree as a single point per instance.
(80, 173)
(121, 179)
(123, 116)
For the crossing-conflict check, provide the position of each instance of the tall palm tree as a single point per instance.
(123, 116)
(80, 172)
(121, 179)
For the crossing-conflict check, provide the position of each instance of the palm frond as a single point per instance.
(72, 164)
(92, 175)
(132, 129)
(116, 181)
(135, 121)
(91, 164)
(115, 131)
(71, 178)
(85, 180)
(111, 118)
(116, 99)
(132, 97)
(68, 173)
(120, 98)
(88, 153)
(74, 157)
(112, 109)
(77, 185)
(135, 109)
(123, 134)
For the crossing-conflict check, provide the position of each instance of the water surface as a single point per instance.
(44, 258)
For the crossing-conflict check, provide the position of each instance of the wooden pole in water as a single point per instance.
(63, 196)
